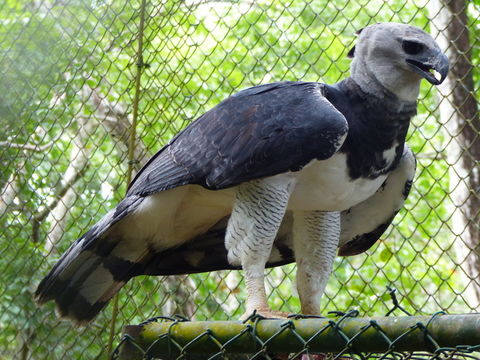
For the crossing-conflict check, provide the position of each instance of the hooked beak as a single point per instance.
(434, 68)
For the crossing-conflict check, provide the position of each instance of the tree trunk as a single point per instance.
(459, 114)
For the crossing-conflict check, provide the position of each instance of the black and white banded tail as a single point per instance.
(93, 269)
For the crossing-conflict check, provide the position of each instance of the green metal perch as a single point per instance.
(170, 339)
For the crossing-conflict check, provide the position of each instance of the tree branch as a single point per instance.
(27, 147)
(114, 118)
(65, 195)
(62, 190)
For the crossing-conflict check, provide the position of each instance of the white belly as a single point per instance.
(325, 185)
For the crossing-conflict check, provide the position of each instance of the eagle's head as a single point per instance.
(397, 56)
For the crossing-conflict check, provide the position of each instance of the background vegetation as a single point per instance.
(67, 100)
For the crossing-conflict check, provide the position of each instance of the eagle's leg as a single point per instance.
(256, 216)
(316, 236)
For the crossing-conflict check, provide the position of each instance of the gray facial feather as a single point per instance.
(380, 61)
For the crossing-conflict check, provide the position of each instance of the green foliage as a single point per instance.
(196, 56)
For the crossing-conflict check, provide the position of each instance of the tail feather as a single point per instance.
(90, 273)
(82, 287)
(66, 284)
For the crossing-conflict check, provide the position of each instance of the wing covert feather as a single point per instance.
(258, 132)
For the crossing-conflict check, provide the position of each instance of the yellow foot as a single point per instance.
(267, 313)
(273, 314)
(300, 357)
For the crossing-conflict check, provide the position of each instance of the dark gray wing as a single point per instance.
(258, 132)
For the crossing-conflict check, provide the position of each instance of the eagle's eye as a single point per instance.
(412, 47)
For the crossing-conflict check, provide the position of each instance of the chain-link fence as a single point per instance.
(89, 90)
(300, 337)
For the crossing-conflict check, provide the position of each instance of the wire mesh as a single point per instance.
(300, 337)
(68, 90)
(345, 337)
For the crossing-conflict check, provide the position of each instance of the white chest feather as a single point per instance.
(326, 185)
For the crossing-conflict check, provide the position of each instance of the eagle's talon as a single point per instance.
(300, 357)
(305, 316)
(265, 314)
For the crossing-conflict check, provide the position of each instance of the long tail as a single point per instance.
(93, 269)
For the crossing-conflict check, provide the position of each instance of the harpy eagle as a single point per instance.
(276, 173)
